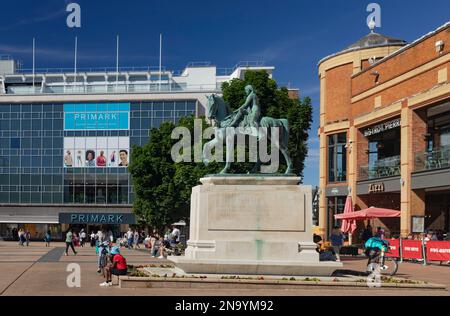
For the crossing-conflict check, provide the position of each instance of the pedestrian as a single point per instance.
(75, 240)
(100, 236)
(129, 238)
(367, 233)
(117, 267)
(27, 237)
(102, 251)
(82, 237)
(380, 233)
(69, 242)
(158, 246)
(21, 235)
(337, 241)
(136, 240)
(92, 239)
(175, 235)
(147, 242)
(48, 238)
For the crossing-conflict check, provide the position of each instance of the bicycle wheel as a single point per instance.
(390, 267)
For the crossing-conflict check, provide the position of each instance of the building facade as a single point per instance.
(66, 139)
(385, 131)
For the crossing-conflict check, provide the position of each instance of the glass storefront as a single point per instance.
(35, 167)
(37, 231)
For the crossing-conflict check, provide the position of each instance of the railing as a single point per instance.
(39, 71)
(79, 88)
(432, 160)
(383, 168)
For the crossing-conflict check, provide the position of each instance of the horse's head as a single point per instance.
(217, 109)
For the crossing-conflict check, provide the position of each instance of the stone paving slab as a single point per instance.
(20, 259)
(10, 272)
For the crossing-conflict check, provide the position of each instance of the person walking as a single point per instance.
(136, 240)
(27, 237)
(337, 241)
(69, 242)
(92, 239)
(48, 238)
(21, 234)
(82, 237)
(129, 238)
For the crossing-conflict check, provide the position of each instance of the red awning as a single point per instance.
(369, 213)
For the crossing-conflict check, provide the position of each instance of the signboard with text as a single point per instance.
(438, 250)
(97, 218)
(96, 117)
(382, 127)
(412, 249)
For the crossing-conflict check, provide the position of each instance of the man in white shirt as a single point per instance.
(130, 238)
(176, 234)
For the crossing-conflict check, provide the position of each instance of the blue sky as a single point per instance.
(292, 35)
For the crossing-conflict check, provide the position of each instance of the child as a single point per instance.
(48, 238)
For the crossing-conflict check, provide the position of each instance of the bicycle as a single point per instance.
(386, 266)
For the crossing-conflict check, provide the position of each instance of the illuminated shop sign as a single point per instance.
(96, 116)
(382, 127)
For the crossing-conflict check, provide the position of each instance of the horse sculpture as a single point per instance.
(246, 120)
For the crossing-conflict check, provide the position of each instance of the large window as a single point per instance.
(383, 151)
(337, 158)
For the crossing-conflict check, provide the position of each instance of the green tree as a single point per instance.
(275, 102)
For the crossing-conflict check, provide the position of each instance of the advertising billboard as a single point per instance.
(96, 152)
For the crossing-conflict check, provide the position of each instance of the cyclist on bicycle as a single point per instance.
(374, 246)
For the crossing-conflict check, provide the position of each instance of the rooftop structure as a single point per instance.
(196, 77)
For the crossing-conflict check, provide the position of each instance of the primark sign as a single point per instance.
(97, 218)
(377, 129)
(96, 116)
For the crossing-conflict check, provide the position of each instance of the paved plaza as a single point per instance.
(37, 270)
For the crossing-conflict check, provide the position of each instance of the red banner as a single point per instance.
(394, 246)
(438, 250)
(412, 249)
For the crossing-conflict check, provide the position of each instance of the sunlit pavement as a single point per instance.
(38, 270)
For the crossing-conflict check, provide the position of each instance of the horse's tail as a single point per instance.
(285, 131)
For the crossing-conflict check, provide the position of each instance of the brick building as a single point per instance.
(385, 130)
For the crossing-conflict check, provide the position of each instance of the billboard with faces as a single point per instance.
(96, 152)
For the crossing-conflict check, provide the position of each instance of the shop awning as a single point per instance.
(369, 213)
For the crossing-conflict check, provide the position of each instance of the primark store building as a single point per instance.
(66, 139)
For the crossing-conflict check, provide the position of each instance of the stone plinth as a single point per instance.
(252, 225)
